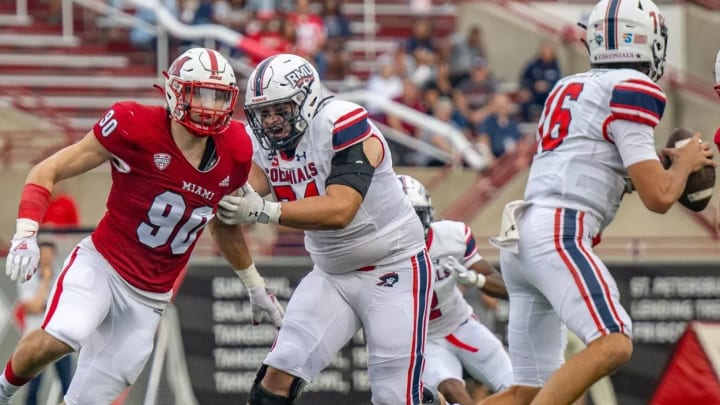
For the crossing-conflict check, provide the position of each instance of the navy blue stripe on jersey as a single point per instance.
(470, 248)
(259, 76)
(611, 16)
(589, 278)
(350, 129)
(638, 102)
(422, 291)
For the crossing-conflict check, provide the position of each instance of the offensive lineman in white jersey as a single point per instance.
(330, 170)
(596, 128)
(457, 341)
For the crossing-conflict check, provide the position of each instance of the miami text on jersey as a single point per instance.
(195, 189)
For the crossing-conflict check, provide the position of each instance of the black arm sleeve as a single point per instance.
(350, 167)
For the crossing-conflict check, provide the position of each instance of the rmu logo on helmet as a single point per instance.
(300, 77)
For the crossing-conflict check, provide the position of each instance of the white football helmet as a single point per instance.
(627, 31)
(201, 91)
(282, 79)
(419, 198)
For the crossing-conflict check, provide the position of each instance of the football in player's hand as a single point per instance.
(700, 185)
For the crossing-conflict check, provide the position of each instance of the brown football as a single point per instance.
(700, 184)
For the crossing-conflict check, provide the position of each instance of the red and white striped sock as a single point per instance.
(10, 382)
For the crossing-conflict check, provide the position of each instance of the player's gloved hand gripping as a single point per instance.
(245, 206)
(24, 254)
(463, 274)
(22, 259)
(263, 302)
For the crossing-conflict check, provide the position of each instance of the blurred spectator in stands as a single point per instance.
(338, 64)
(264, 6)
(32, 299)
(443, 111)
(464, 49)
(196, 12)
(475, 92)
(499, 131)
(145, 40)
(310, 35)
(268, 29)
(421, 36)
(336, 24)
(204, 13)
(441, 80)
(424, 69)
(288, 32)
(403, 61)
(410, 97)
(234, 14)
(442, 85)
(384, 81)
(62, 211)
(187, 10)
(338, 30)
(538, 78)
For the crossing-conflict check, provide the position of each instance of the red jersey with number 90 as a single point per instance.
(159, 203)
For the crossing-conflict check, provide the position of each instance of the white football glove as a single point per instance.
(265, 306)
(24, 255)
(245, 206)
(463, 274)
(263, 302)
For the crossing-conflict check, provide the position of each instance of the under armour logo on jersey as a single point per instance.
(225, 182)
(162, 160)
(300, 157)
(388, 279)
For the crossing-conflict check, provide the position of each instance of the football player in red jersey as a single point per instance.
(170, 168)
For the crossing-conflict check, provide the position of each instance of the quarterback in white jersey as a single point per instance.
(596, 129)
(331, 174)
(457, 341)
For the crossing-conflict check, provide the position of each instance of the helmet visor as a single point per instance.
(211, 98)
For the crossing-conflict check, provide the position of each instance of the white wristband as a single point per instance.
(25, 227)
(272, 209)
(480, 280)
(250, 277)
